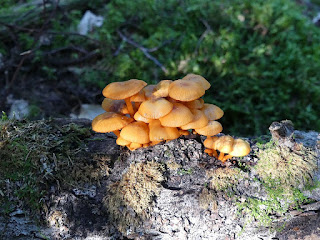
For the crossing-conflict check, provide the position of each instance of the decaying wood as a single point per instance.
(168, 191)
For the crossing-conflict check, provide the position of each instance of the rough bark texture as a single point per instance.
(170, 191)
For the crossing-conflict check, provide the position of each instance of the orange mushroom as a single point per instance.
(213, 128)
(155, 108)
(162, 89)
(124, 90)
(212, 111)
(160, 133)
(185, 90)
(117, 106)
(240, 148)
(198, 79)
(110, 122)
(199, 120)
(179, 116)
(223, 144)
(136, 132)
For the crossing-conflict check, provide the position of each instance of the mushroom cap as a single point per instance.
(122, 90)
(162, 89)
(208, 143)
(148, 91)
(212, 111)
(197, 104)
(155, 108)
(117, 106)
(240, 148)
(137, 116)
(213, 128)
(133, 146)
(109, 122)
(199, 79)
(160, 133)
(184, 132)
(137, 132)
(122, 142)
(138, 97)
(224, 144)
(199, 120)
(185, 90)
(179, 116)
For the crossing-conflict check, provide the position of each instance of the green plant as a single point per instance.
(4, 116)
(259, 55)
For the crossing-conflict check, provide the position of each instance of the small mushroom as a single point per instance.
(160, 133)
(208, 143)
(197, 104)
(198, 79)
(133, 146)
(155, 108)
(148, 91)
(212, 111)
(117, 106)
(110, 122)
(184, 90)
(224, 145)
(213, 128)
(240, 148)
(122, 142)
(136, 132)
(162, 89)
(137, 116)
(179, 116)
(199, 120)
(124, 90)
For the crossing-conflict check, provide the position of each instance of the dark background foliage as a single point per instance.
(262, 58)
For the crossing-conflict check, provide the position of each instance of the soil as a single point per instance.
(54, 98)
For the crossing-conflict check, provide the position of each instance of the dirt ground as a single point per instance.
(48, 98)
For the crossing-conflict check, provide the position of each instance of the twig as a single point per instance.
(160, 46)
(61, 62)
(204, 34)
(143, 50)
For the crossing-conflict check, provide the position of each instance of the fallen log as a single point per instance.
(90, 187)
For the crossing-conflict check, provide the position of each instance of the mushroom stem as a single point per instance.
(214, 153)
(221, 155)
(117, 133)
(129, 106)
(209, 151)
(225, 158)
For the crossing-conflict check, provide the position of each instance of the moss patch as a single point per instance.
(224, 178)
(288, 167)
(130, 200)
(207, 200)
(283, 173)
(37, 155)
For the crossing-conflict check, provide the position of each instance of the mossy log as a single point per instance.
(84, 185)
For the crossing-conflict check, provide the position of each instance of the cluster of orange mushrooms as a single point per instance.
(142, 115)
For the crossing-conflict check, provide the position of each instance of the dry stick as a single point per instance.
(144, 50)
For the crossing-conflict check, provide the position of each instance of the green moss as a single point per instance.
(283, 173)
(292, 168)
(222, 179)
(182, 171)
(36, 155)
